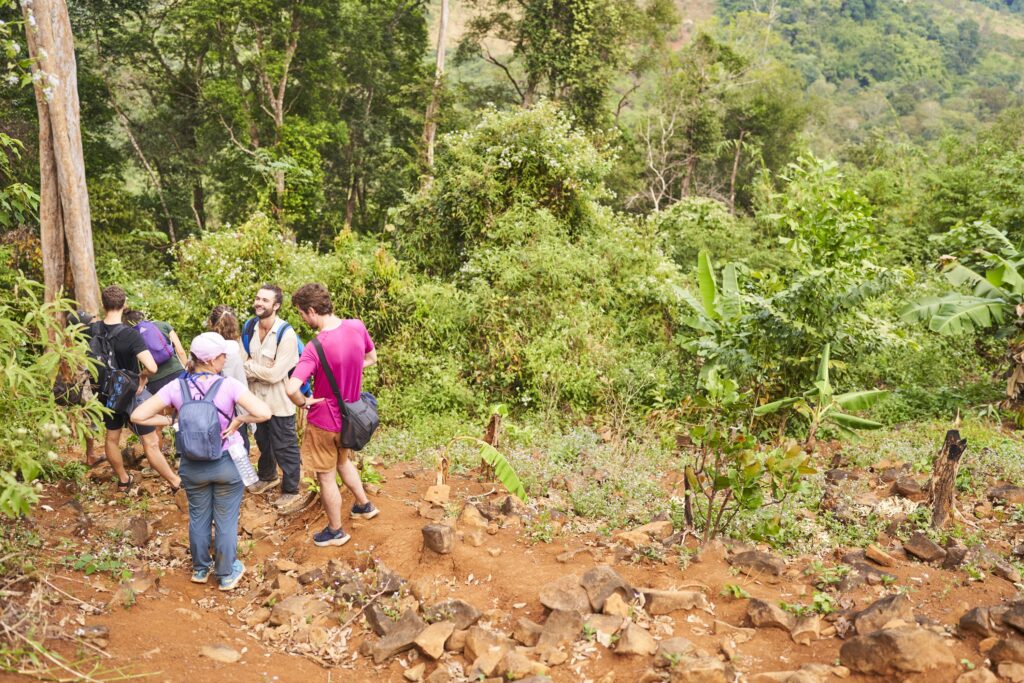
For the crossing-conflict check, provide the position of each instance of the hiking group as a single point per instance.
(235, 378)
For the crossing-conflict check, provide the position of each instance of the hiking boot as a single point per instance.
(229, 582)
(367, 511)
(288, 503)
(328, 537)
(263, 485)
(201, 575)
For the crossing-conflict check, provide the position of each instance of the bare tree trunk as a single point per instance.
(735, 168)
(56, 82)
(51, 222)
(430, 123)
(947, 464)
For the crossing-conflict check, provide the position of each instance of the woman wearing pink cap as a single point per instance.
(214, 487)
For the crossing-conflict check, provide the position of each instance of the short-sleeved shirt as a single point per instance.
(126, 342)
(345, 347)
(225, 398)
(172, 365)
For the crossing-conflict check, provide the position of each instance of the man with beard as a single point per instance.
(270, 352)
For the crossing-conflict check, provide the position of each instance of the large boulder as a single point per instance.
(895, 651)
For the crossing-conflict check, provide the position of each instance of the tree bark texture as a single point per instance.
(62, 175)
(947, 464)
(430, 124)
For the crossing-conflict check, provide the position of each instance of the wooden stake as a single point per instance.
(947, 464)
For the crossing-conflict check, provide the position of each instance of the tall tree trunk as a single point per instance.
(430, 123)
(735, 169)
(56, 85)
(51, 222)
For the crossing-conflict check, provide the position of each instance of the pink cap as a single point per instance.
(209, 345)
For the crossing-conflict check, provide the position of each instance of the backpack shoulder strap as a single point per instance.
(285, 326)
(330, 376)
(186, 395)
(247, 330)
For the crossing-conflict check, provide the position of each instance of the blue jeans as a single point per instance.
(214, 491)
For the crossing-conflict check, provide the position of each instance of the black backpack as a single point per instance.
(115, 386)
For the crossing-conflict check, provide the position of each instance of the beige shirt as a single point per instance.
(267, 366)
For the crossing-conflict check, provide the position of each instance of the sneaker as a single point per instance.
(365, 511)
(263, 485)
(201, 575)
(328, 537)
(229, 582)
(288, 503)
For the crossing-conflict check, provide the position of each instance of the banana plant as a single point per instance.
(716, 306)
(994, 299)
(716, 314)
(819, 404)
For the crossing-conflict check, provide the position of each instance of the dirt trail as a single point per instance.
(162, 633)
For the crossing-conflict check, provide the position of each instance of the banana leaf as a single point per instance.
(854, 422)
(775, 406)
(503, 470)
(860, 400)
(706, 282)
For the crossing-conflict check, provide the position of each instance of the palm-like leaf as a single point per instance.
(958, 313)
(853, 422)
(708, 288)
(860, 400)
(775, 406)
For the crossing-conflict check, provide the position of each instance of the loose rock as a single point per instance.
(431, 640)
(665, 602)
(883, 611)
(439, 538)
(566, 594)
(634, 640)
(759, 565)
(601, 582)
(673, 650)
(562, 626)
(401, 638)
(459, 612)
(220, 653)
(767, 615)
(899, 650)
(924, 548)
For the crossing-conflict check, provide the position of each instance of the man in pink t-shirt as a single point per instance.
(348, 349)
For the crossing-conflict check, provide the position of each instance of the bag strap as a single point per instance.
(247, 330)
(285, 326)
(330, 376)
(208, 396)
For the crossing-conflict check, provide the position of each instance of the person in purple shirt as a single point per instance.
(214, 487)
(349, 350)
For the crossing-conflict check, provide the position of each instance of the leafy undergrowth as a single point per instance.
(604, 484)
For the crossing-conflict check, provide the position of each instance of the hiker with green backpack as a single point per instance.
(270, 350)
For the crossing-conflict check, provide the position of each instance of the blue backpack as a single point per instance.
(250, 327)
(198, 435)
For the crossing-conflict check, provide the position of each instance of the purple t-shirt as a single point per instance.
(225, 399)
(345, 347)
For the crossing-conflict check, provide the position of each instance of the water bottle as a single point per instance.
(244, 465)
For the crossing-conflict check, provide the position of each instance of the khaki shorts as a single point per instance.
(321, 449)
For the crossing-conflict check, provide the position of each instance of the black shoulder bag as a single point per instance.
(359, 419)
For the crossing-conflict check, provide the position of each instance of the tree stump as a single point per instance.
(947, 464)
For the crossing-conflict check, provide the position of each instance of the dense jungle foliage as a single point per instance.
(628, 227)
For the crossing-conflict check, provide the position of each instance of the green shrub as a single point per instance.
(32, 425)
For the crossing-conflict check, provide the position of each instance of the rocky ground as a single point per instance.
(463, 583)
